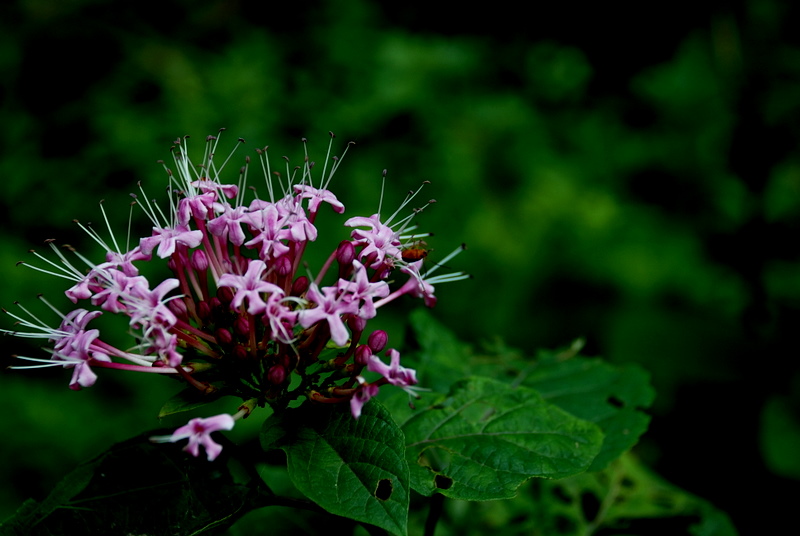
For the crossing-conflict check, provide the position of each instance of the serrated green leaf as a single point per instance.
(611, 396)
(352, 468)
(485, 439)
(187, 400)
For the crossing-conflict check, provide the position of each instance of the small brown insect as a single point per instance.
(415, 251)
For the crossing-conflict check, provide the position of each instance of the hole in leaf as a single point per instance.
(384, 489)
(561, 495)
(590, 506)
(443, 482)
(626, 482)
(564, 525)
(616, 402)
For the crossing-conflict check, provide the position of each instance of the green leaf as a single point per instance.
(628, 498)
(187, 400)
(780, 437)
(485, 439)
(32, 513)
(352, 468)
(137, 487)
(443, 359)
(611, 397)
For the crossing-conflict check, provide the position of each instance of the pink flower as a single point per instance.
(363, 290)
(75, 352)
(168, 238)
(236, 316)
(317, 196)
(380, 241)
(394, 373)
(228, 225)
(250, 286)
(361, 396)
(198, 432)
(330, 307)
(269, 224)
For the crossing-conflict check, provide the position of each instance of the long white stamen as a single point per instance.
(29, 325)
(67, 271)
(218, 170)
(144, 204)
(455, 252)
(383, 186)
(94, 235)
(308, 164)
(336, 163)
(130, 224)
(48, 272)
(262, 155)
(447, 278)
(51, 307)
(289, 178)
(327, 157)
(404, 204)
(242, 183)
(110, 231)
(23, 367)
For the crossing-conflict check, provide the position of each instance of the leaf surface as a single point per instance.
(613, 397)
(352, 468)
(486, 438)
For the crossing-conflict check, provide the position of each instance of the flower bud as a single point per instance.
(283, 265)
(225, 295)
(276, 375)
(363, 353)
(240, 352)
(203, 310)
(242, 326)
(199, 260)
(218, 312)
(178, 308)
(223, 336)
(377, 340)
(345, 253)
(356, 324)
(300, 285)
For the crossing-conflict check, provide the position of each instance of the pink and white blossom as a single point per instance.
(222, 297)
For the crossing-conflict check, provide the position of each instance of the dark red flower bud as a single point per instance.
(300, 285)
(363, 353)
(225, 295)
(223, 336)
(276, 375)
(345, 253)
(377, 340)
(242, 325)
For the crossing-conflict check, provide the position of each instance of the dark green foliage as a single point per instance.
(352, 468)
(138, 487)
(552, 438)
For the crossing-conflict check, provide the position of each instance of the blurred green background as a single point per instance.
(629, 175)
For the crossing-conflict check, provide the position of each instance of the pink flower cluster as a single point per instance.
(240, 315)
